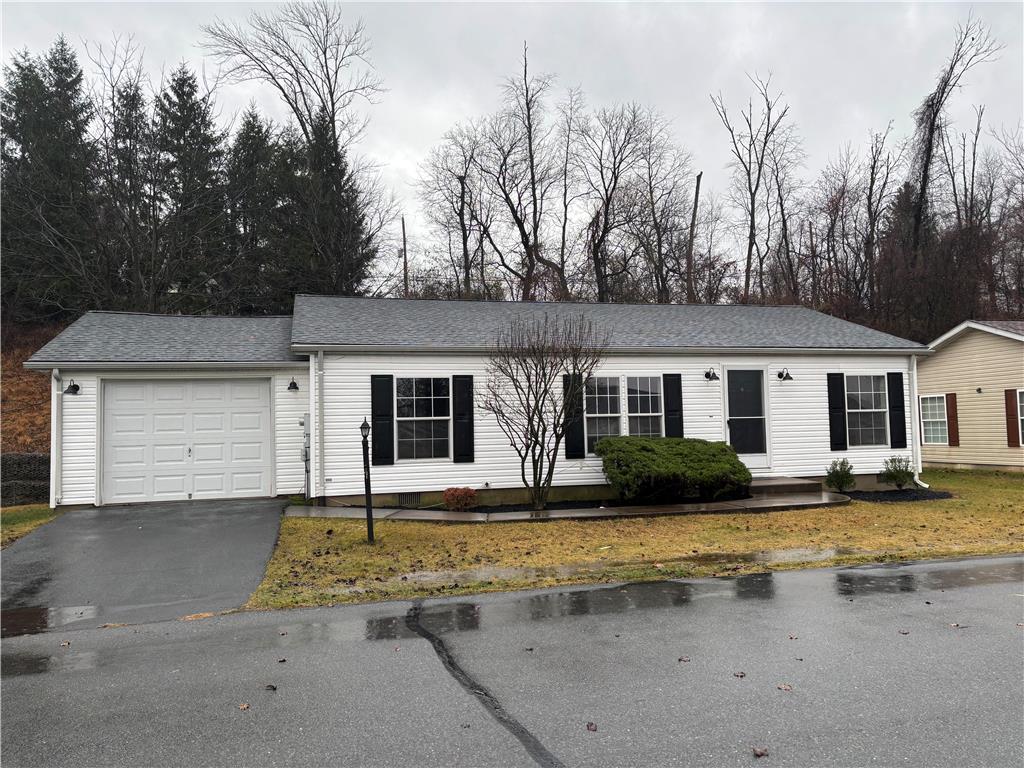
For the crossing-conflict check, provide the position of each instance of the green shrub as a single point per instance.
(896, 471)
(670, 469)
(840, 475)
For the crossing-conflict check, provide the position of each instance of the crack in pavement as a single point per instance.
(534, 748)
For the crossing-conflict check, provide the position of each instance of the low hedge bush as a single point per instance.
(662, 470)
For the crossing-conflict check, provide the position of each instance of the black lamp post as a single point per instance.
(364, 430)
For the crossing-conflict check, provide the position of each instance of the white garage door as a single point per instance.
(185, 439)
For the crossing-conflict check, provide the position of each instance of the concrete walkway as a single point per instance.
(759, 502)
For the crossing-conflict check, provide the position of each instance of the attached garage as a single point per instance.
(171, 440)
(153, 408)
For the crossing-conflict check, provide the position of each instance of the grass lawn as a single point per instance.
(15, 522)
(320, 561)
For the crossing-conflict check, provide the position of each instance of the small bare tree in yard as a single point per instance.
(537, 372)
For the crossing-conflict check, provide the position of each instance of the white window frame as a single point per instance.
(587, 416)
(431, 459)
(885, 410)
(945, 418)
(660, 414)
(1020, 416)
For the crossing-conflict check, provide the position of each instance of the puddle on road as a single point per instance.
(33, 619)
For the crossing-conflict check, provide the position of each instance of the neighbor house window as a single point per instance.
(643, 398)
(602, 406)
(934, 430)
(1020, 414)
(422, 418)
(866, 414)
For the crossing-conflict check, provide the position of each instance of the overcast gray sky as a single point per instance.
(844, 68)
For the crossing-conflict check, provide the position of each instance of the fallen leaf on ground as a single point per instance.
(529, 649)
(65, 643)
(739, 674)
(955, 625)
(271, 687)
(760, 752)
(904, 631)
(281, 661)
(793, 637)
(284, 633)
(591, 726)
(784, 687)
(798, 658)
(684, 659)
(194, 616)
(927, 602)
(243, 706)
(659, 566)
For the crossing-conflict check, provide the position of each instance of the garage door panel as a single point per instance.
(181, 439)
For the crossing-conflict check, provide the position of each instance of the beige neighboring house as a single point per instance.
(971, 397)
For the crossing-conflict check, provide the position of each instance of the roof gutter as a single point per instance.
(173, 365)
(301, 348)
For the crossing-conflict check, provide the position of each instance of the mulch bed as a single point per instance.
(907, 494)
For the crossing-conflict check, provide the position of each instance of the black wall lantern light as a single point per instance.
(293, 386)
(710, 374)
(364, 430)
(784, 375)
(73, 389)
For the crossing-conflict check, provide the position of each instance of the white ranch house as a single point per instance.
(157, 407)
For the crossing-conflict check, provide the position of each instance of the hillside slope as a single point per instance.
(24, 395)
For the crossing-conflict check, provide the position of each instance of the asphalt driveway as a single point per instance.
(137, 563)
(905, 665)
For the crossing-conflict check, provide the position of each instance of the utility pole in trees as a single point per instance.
(405, 261)
(691, 293)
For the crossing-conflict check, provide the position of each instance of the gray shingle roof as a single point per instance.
(126, 337)
(418, 324)
(1013, 326)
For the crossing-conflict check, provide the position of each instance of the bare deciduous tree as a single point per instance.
(537, 372)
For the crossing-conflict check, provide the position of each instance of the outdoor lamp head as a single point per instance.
(364, 429)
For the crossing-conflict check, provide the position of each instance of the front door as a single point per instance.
(745, 416)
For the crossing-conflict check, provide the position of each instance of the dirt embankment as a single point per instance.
(24, 395)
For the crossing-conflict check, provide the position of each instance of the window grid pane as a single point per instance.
(866, 410)
(422, 418)
(933, 420)
(644, 405)
(598, 427)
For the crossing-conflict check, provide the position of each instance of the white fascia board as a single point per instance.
(162, 366)
(372, 348)
(968, 325)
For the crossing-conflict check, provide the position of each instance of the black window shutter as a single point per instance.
(897, 411)
(462, 419)
(837, 412)
(382, 419)
(672, 385)
(575, 445)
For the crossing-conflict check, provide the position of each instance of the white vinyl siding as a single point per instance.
(798, 416)
(934, 428)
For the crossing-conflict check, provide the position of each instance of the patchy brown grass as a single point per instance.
(24, 395)
(15, 522)
(320, 561)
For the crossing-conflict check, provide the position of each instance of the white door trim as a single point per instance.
(757, 460)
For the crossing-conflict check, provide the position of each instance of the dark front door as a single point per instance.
(746, 411)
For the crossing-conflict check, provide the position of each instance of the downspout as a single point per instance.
(56, 436)
(914, 411)
(320, 427)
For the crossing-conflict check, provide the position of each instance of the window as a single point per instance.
(422, 417)
(866, 414)
(933, 420)
(643, 397)
(1020, 414)
(602, 407)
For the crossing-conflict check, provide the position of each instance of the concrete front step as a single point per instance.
(783, 485)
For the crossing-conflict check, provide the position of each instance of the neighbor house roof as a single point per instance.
(1012, 329)
(402, 324)
(117, 339)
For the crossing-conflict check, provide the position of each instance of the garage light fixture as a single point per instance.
(784, 375)
(710, 374)
(293, 386)
(73, 389)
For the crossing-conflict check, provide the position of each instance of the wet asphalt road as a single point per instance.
(878, 676)
(136, 563)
